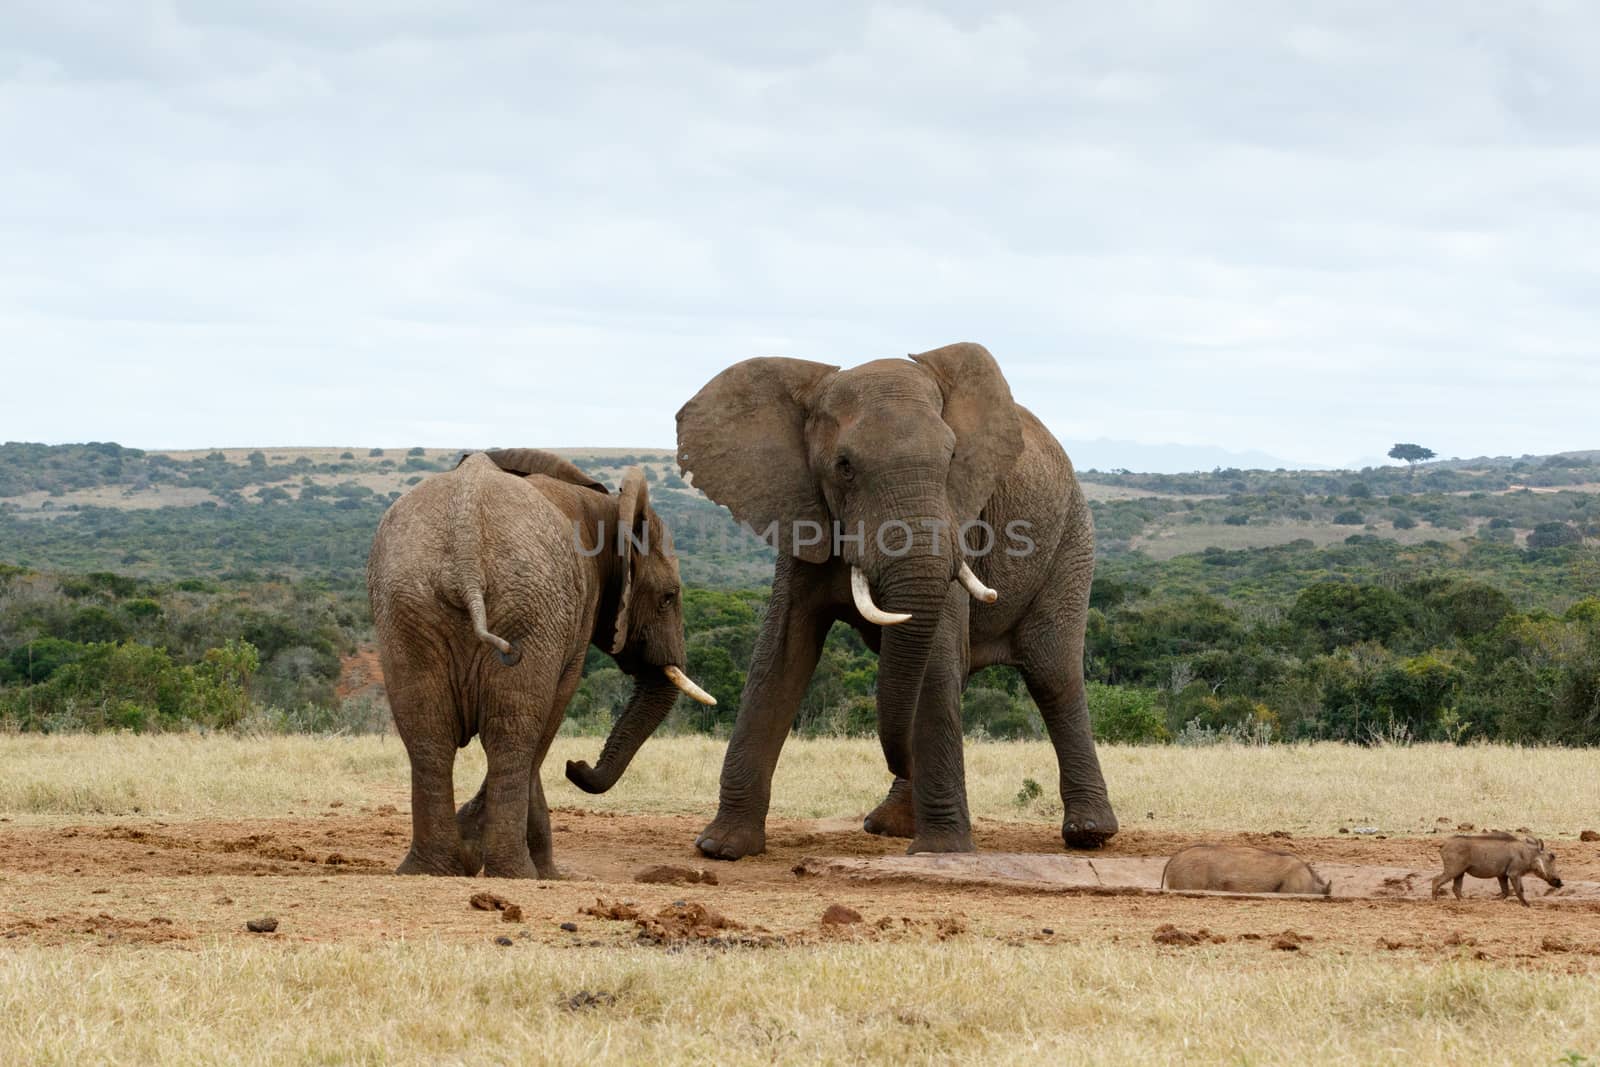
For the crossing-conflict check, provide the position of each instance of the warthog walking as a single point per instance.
(1242, 869)
(1497, 855)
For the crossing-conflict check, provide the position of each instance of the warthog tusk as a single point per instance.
(684, 682)
(870, 611)
(980, 592)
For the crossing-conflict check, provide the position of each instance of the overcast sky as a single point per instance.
(1305, 229)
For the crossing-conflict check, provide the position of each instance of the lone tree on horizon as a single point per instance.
(1412, 454)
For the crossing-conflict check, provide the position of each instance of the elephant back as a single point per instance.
(526, 461)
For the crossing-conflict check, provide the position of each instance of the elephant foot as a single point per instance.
(1088, 824)
(942, 841)
(551, 873)
(417, 864)
(726, 839)
(515, 867)
(469, 826)
(894, 816)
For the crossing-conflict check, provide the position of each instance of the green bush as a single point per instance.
(37, 660)
(991, 712)
(1334, 614)
(1554, 535)
(132, 686)
(1121, 714)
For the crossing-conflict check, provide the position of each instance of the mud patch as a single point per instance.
(685, 921)
(1168, 934)
(1290, 941)
(103, 925)
(488, 902)
(615, 910)
(840, 915)
(668, 874)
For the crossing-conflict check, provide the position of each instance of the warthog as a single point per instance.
(1242, 869)
(1497, 855)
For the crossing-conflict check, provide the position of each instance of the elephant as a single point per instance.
(928, 448)
(488, 583)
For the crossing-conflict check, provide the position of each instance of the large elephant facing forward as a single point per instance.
(866, 478)
(488, 584)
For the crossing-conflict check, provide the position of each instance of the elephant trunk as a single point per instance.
(919, 587)
(647, 707)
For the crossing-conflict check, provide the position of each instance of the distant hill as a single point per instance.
(310, 512)
(1106, 454)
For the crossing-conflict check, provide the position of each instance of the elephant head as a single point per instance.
(876, 467)
(640, 623)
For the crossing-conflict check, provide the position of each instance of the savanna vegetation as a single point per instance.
(1447, 601)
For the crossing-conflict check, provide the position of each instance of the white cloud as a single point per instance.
(1308, 231)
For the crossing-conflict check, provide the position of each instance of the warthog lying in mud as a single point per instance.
(1498, 855)
(1242, 869)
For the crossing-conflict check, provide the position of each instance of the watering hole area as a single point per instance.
(636, 879)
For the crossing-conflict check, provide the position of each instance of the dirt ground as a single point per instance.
(327, 879)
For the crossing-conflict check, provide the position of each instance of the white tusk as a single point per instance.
(870, 611)
(682, 681)
(980, 592)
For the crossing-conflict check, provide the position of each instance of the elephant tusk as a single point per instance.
(683, 682)
(980, 592)
(870, 611)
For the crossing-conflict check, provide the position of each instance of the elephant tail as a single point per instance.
(509, 653)
(465, 521)
(1164, 867)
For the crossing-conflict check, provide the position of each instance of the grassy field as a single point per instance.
(1309, 788)
(1100, 993)
(1166, 540)
(955, 1002)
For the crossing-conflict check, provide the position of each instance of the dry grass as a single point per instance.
(973, 999)
(967, 1001)
(1302, 788)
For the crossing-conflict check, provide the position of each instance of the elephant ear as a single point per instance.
(525, 461)
(742, 439)
(632, 533)
(979, 408)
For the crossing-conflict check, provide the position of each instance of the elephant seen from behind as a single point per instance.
(488, 584)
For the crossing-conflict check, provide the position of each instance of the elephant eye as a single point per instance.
(668, 599)
(843, 467)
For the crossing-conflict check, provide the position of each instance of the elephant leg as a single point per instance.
(470, 816)
(785, 654)
(469, 828)
(938, 779)
(539, 838)
(539, 841)
(893, 817)
(1052, 666)
(424, 715)
(510, 735)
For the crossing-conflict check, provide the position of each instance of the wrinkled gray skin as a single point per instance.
(938, 438)
(1242, 869)
(1500, 856)
(485, 538)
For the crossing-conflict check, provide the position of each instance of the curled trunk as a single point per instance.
(647, 707)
